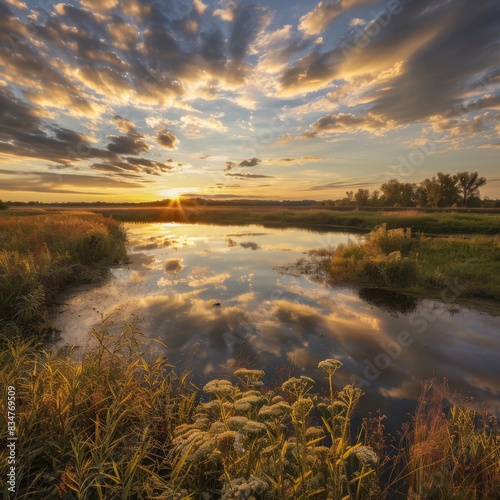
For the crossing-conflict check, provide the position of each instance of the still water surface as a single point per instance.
(283, 324)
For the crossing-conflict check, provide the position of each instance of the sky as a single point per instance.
(138, 100)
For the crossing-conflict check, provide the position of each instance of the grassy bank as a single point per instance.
(445, 267)
(117, 425)
(431, 223)
(43, 253)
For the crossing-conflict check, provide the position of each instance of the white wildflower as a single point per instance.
(298, 386)
(238, 442)
(236, 423)
(249, 375)
(254, 428)
(330, 365)
(219, 387)
(275, 411)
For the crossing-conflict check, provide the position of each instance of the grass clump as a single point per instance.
(449, 454)
(99, 428)
(41, 254)
(398, 259)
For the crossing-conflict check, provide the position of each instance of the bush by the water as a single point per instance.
(42, 253)
(122, 424)
(399, 259)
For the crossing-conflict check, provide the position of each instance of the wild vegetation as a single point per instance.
(401, 260)
(315, 218)
(41, 254)
(122, 423)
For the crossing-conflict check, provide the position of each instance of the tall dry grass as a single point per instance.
(39, 255)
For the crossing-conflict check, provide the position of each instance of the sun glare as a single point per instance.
(171, 193)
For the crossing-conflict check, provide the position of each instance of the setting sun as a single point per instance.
(171, 193)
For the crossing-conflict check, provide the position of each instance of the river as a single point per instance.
(213, 296)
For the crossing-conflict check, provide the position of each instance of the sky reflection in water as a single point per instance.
(284, 324)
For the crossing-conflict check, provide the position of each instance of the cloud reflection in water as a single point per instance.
(274, 321)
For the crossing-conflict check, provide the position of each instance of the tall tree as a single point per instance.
(391, 192)
(468, 185)
(362, 197)
(441, 190)
(401, 193)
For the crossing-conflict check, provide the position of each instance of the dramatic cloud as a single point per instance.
(253, 162)
(343, 122)
(127, 145)
(61, 183)
(341, 184)
(249, 20)
(167, 139)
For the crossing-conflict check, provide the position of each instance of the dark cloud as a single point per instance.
(252, 162)
(151, 167)
(213, 46)
(118, 167)
(23, 134)
(133, 167)
(127, 145)
(250, 245)
(341, 184)
(342, 122)
(160, 44)
(440, 76)
(249, 176)
(248, 22)
(41, 182)
(167, 139)
(447, 48)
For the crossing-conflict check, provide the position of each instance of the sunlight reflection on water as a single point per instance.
(283, 324)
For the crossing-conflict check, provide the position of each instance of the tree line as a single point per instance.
(442, 190)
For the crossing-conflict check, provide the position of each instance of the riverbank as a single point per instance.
(459, 222)
(42, 253)
(453, 268)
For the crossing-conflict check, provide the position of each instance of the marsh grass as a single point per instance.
(450, 452)
(398, 259)
(41, 254)
(121, 423)
(99, 428)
